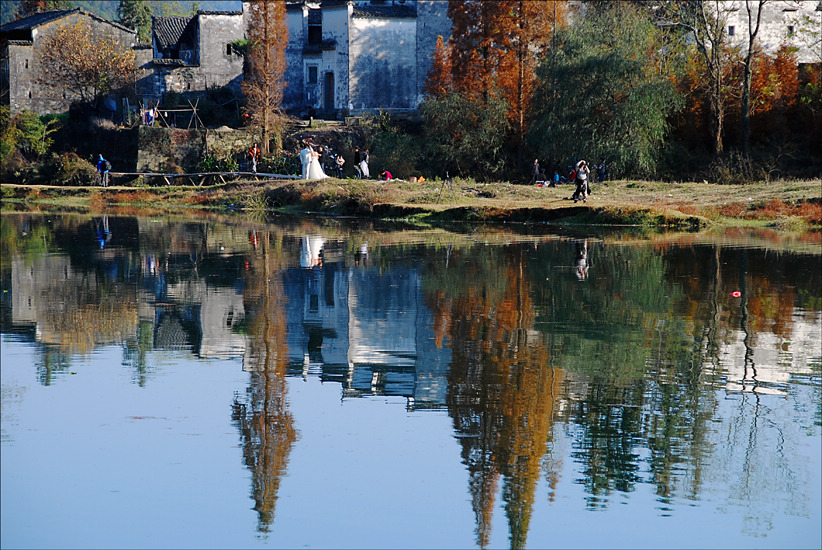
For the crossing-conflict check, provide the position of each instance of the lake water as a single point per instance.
(237, 383)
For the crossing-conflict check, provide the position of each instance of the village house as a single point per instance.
(346, 57)
(190, 54)
(21, 84)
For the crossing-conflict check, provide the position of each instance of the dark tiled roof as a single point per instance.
(372, 11)
(168, 31)
(32, 21)
(169, 61)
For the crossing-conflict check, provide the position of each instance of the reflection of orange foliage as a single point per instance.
(266, 423)
(770, 309)
(81, 328)
(501, 391)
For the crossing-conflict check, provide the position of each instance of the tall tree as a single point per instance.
(753, 10)
(136, 14)
(85, 63)
(32, 7)
(263, 84)
(605, 91)
(496, 46)
(439, 81)
(706, 22)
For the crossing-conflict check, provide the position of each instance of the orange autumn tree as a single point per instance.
(263, 83)
(774, 94)
(439, 80)
(495, 47)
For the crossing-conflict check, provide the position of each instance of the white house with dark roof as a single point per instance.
(349, 56)
(192, 54)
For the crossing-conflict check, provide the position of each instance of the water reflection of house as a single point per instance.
(366, 329)
(767, 366)
(69, 306)
(188, 313)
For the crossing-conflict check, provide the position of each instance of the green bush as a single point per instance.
(399, 153)
(66, 169)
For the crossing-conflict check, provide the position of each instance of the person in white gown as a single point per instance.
(315, 170)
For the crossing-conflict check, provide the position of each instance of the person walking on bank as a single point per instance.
(338, 165)
(103, 168)
(357, 162)
(583, 172)
(601, 173)
(254, 154)
(534, 171)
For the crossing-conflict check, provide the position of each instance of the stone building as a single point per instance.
(21, 86)
(356, 56)
(190, 54)
(796, 23)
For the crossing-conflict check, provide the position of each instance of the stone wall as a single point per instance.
(220, 65)
(161, 148)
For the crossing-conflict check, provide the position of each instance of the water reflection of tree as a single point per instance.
(501, 392)
(263, 417)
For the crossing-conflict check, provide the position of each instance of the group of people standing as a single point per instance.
(311, 158)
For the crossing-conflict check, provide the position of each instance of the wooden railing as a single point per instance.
(201, 178)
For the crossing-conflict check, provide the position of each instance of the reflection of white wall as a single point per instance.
(221, 310)
(773, 359)
(382, 327)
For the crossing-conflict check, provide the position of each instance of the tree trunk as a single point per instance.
(717, 116)
(746, 109)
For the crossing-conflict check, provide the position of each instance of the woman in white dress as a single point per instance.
(315, 171)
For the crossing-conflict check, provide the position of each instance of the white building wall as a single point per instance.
(797, 23)
(336, 61)
(220, 66)
(383, 69)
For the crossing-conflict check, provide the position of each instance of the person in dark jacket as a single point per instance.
(535, 171)
(103, 167)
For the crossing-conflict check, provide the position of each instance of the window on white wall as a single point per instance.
(731, 30)
(312, 75)
(790, 30)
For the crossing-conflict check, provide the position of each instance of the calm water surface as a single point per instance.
(222, 383)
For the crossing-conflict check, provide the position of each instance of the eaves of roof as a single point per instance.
(40, 19)
(169, 30)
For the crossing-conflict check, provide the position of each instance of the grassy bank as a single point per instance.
(785, 204)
